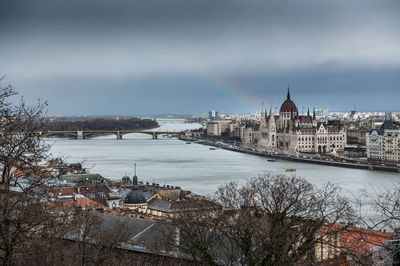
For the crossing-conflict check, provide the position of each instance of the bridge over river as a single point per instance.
(82, 134)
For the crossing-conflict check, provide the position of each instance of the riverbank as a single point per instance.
(198, 168)
(341, 162)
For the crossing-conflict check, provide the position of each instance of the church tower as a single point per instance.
(263, 130)
(263, 120)
(272, 141)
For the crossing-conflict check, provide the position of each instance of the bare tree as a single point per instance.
(271, 220)
(22, 175)
(196, 235)
(383, 223)
(35, 229)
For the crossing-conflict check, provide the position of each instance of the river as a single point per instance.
(197, 168)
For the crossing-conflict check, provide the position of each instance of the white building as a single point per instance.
(391, 145)
(250, 136)
(218, 127)
(384, 143)
(292, 133)
(322, 112)
(374, 145)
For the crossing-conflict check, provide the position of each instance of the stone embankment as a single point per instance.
(340, 162)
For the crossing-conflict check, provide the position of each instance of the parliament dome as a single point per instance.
(288, 105)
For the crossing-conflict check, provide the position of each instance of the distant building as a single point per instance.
(97, 193)
(84, 178)
(213, 114)
(357, 136)
(384, 143)
(238, 131)
(391, 145)
(136, 200)
(250, 135)
(218, 127)
(353, 112)
(322, 112)
(374, 145)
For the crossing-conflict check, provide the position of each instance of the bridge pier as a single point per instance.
(119, 135)
(79, 134)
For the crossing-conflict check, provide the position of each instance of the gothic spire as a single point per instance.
(308, 111)
(271, 110)
(288, 93)
(263, 120)
(313, 113)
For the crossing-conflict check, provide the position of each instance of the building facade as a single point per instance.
(213, 114)
(374, 145)
(218, 127)
(322, 112)
(384, 143)
(391, 145)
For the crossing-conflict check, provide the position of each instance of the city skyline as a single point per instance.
(189, 57)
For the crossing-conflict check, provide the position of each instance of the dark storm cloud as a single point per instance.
(158, 53)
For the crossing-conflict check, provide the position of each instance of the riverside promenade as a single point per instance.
(337, 162)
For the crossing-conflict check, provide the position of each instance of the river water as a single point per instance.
(197, 168)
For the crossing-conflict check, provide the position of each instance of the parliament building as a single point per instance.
(292, 133)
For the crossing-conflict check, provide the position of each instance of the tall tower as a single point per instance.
(135, 178)
(272, 141)
(353, 112)
(263, 130)
(263, 120)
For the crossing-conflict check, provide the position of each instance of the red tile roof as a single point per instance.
(305, 119)
(307, 130)
(97, 193)
(333, 129)
(360, 241)
(67, 205)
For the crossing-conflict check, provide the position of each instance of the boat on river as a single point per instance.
(290, 170)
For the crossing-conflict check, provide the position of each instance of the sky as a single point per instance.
(106, 57)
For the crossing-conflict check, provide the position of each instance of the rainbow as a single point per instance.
(235, 91)
(232, 90)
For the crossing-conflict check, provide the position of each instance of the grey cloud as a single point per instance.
(137, 44)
